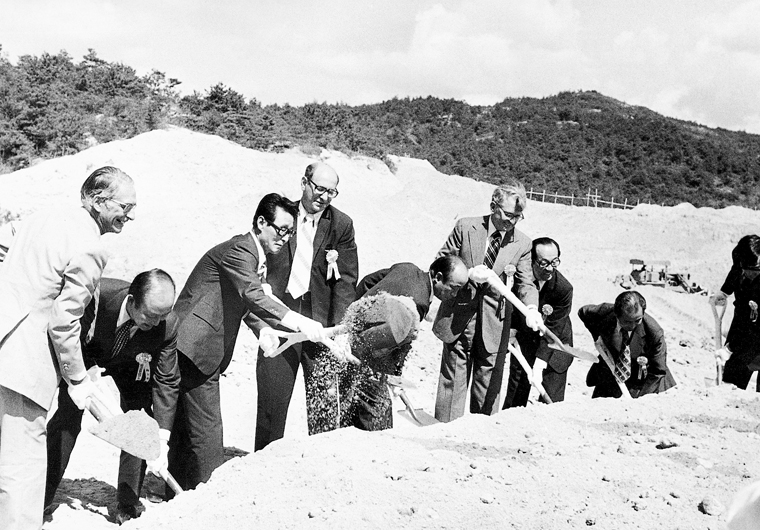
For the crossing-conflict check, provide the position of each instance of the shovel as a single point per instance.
(417, 416)
(718, 311)
(133, 432)
(553, 340)
(607, 357)
(515, 350)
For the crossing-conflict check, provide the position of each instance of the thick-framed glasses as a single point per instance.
(282, 231)
(511, 217)
(321, 190)
(544, 263)
(126, 206)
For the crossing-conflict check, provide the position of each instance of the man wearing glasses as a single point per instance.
(555, 300)
(474, 326)
(226, 286)
(51, 273)
(314, 275)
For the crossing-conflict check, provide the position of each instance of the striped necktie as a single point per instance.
(493, 249)
(300, 271)
(623, 363)
(123, 334)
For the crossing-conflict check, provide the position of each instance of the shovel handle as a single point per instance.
(294, 337)
(170, 481)
(98, 409)
(529, 373)
(604, 354)
(408, 404)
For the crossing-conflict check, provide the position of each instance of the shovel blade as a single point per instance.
(133, 432)
(420, 417)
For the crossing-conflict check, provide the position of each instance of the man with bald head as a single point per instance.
(134, 338)
(315, 275)
(50, 274)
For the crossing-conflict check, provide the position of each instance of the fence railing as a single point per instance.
(589, 199)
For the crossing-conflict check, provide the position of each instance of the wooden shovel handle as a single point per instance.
(529, 373)
(169, 479)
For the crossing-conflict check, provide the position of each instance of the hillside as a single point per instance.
(571, 143)
(580, 463)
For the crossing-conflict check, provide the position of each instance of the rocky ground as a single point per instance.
(669, 461)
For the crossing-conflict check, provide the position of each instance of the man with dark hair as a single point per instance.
(50, 274)
(555, 300)
(474, 326)
(634, 342)
(369, 404)
(315, 275)
(226, 286)
(134, 339)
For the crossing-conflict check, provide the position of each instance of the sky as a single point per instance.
(696, 60)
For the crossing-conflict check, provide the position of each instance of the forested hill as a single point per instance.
(52, 105)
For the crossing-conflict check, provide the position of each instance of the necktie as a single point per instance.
(300, 271)
(493, 249)
(123, 335)
(623, 363)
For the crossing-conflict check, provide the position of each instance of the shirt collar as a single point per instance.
(303, 214)
(123, 315)
(492, 229)
(262, 268)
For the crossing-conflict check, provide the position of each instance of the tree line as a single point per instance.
(51, 106)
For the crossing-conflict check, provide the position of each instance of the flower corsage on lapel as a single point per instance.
(143, 368)
(642, 362)
(546, 310)
(332, 264)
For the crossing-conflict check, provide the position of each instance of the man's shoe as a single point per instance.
(125, 512)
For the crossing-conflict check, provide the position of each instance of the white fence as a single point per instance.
(590, 199)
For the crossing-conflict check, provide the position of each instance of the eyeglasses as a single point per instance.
(511, 217)
(126, 206)
(321, 190)
(282, 231)
(544, 263)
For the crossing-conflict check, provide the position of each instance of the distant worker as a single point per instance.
(135, 340)
(555, 300)
(474, 326)
(50, 274)
(635, 343)
(740, 353)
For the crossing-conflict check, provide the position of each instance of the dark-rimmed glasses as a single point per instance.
(544, 263)
(126, 206)
(321, 190)
(511, 217)
(282, 231)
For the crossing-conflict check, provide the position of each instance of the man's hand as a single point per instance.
(268, 341)
(722, 355)
(162, 462)
(533, 318)
(481, 273)
(313, 330)
(82, 390)
(719, 299)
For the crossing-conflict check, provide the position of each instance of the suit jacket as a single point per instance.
(647, 340)
(159, 342)
(222, 289)
(49, 275)
(557, 294)
(402, 279)
(329, 298)
(468, 240)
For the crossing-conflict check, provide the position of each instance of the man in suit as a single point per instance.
(314, 275)
(555, 299)
(472, 325)
(368, 403)
(134, 339)
(226, 285)
(50, 274)
(636, 344)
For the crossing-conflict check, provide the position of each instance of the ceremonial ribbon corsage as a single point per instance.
(642, 362)
(546, 310)
(753, 311)
(332, 264)
(143, 361)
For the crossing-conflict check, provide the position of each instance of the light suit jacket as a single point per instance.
(468, 240)
(50, 274)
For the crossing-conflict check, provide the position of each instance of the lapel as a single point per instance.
(477, 239)
(323, 227)
(607, 332)
(505, 254)
(546, 291)
(637, 341)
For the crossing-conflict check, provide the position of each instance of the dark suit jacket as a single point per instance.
(329, 298)
(743, 335)
(647, 340)
(557, 294)
(159, 342)
(223, 288)
(468, 240)
(402, 279)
